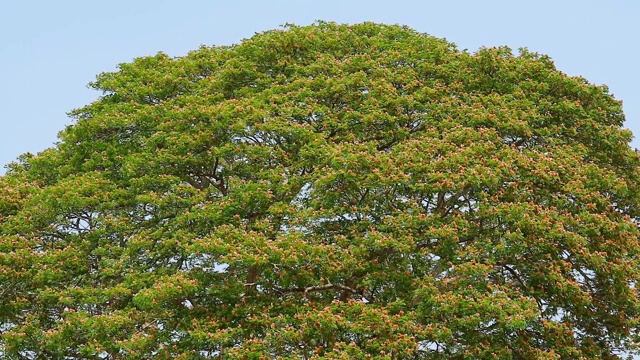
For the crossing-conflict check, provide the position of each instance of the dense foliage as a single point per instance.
(328, 191)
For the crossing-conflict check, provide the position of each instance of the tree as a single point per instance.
(328, 191)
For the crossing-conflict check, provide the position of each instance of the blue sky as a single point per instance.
(50, 50)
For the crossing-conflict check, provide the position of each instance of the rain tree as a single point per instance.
(328, 191)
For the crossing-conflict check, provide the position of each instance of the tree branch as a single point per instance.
(309, 289)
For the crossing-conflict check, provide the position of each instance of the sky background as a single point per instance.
(50, 50)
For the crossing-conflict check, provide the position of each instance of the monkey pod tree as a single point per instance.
(328, 191)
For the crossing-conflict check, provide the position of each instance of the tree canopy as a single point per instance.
(329, 191)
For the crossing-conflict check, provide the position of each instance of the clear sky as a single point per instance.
(50, 50)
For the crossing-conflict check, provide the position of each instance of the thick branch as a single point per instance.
(309, 289)
(517, 277)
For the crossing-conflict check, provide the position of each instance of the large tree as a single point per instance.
(328, 191)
